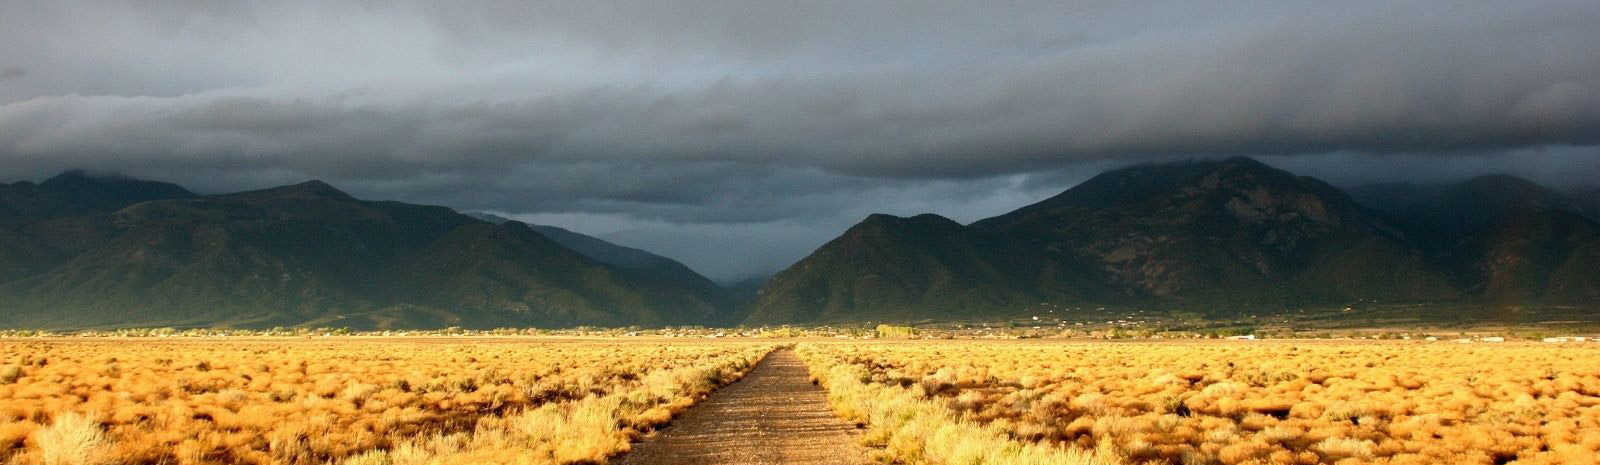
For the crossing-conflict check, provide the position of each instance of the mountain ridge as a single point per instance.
(623, 256)
(1222, 236)
(309, 252)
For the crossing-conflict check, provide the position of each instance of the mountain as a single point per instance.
(76, 192)
(1509, 241)
(627, 257)
(306, 254)
(41, 225)
(744, 290)
(1210, 232)
(487, 217)
(1478, 204)
(761, 253)
(1589, 198)
(1214, 236)
(887, 267)
(1392, 199)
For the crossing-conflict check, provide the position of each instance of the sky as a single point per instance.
(738, 135)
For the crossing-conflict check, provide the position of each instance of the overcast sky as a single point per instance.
(738, 135)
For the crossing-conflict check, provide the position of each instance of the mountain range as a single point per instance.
(1215, 237)
(79, 251)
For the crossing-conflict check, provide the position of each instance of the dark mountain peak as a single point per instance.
(78, 192)
(931, 218)
(516, 226)
(902, 268)
(318, 188)
(69, 176)
(1242, 188)
(1144, 182)
(82, 176)
(1189, 229)
(1481, 203)
(486, 216)
(927, 219)
(309, 190)
(1504, 190)
(1236, 166)
(1242, 172)
(881, 224)
(82, 182)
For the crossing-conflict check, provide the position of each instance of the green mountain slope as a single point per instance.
(1215, 236)
(888, 267)
(75, 193)
(310, 253)
(1510, 241)
(642, 263)
(1219, 233)
(511, 270)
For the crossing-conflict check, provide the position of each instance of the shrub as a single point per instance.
(369, 458)
(1343, 448)
(72, 439)
(10, 374)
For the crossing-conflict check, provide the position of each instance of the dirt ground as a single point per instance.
(773, 416)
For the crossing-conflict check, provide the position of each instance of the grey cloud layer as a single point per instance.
(731, 111)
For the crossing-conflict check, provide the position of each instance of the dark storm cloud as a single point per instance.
(730, 112)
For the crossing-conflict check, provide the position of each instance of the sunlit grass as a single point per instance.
(287, 401)
(1284, 402)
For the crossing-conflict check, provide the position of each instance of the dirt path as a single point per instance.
(772, 416)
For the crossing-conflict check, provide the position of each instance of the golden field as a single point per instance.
(1232, 402)
(413, 401)
(356, 401)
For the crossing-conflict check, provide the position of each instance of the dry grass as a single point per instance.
(72, 439)
(1225, 402)
(908, 428)
(288, 401)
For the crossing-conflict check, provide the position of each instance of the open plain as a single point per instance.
(549, 400)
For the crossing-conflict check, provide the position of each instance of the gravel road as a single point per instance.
(772, 416)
